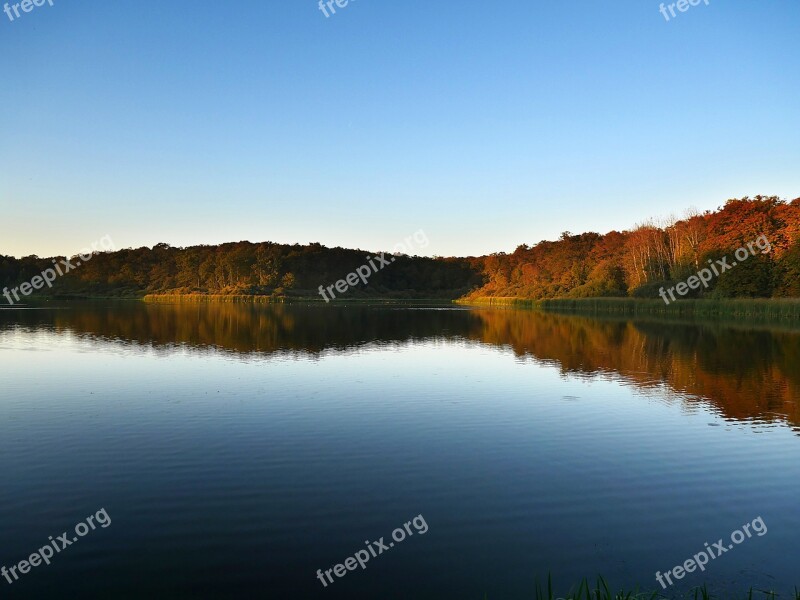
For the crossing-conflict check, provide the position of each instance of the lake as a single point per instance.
(238, 450)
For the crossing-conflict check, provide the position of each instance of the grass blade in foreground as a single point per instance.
(602, 591)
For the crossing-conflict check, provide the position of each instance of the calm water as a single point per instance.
(239, 449)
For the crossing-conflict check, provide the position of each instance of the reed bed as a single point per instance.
(743, 308)
(601, 591)
(224, 298)
(772, 309)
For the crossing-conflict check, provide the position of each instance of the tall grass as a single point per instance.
(702, 593)
(764, 309)
(501, 301)
(773, 309)
(193, 298)
(601, 591)
(585, 591)
(260, 299)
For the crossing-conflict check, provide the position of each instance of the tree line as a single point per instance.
(641, 261)
(636, 262)
(245, 268)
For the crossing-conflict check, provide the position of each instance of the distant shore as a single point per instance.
(785, 310)
(264, 299)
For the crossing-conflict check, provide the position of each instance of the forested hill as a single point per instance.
(247, 268)
(639, 262)
(628, 263)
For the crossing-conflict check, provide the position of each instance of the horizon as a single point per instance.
(655, 219)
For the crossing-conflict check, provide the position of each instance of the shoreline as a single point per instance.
(771, 310)
(782, 309)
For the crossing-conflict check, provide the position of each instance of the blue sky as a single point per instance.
(487, 125)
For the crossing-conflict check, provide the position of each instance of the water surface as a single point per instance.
(239, 449)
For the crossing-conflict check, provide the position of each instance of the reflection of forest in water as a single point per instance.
(747, 374)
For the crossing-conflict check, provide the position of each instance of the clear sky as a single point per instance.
(486, 124)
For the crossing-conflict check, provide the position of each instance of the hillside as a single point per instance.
(637, 263)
